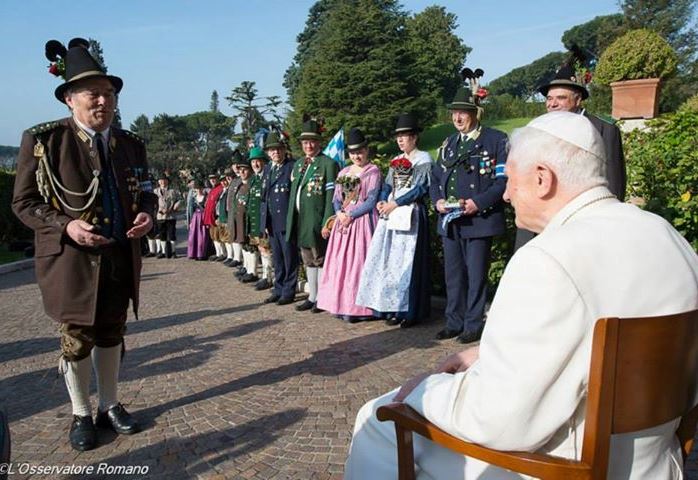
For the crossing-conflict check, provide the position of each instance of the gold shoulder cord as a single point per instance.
(47, 182)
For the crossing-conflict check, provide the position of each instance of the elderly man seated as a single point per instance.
(524, 387)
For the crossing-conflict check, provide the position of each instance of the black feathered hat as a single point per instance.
(74, 64)
(568, 76)
(469, 95)
(312, 128)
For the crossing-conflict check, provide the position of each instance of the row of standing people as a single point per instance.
(364, 240)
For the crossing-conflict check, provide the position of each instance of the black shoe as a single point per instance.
(447, 333)
(470, 336)
(241, 272)
(117, 419)
(249, 278)
(354, 319)
(285, 301)
(160, 255)
(263, 284)
(83, 435)
(213, 258)
(235, 263)
(408, 323)
(273, 298)
(149, 255)
(307, 305)
(315, 309)
(220, 258)
(393, 321)
(227, 262)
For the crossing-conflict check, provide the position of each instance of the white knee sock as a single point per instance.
(77, 379)
(266, 267)
(106, 362)
(312, 273)
(172, 247)
(254, 262)
(229, 250)
(237, 251)
(161, 246)
(247, 261)
(152, 246)
(219, 248)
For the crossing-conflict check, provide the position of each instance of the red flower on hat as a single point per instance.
(482, 93)
(57, 68)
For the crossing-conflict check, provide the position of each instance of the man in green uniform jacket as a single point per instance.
(312, 189)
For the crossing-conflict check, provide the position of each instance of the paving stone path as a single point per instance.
(226, 387)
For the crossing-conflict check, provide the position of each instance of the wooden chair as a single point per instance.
(644, 372)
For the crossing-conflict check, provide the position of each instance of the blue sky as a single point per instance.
(173, 53)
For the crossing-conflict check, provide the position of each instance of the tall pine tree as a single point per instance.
(362, 62)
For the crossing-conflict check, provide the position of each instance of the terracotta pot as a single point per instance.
(636, 98)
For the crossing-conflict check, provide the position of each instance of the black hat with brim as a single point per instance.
(79, 66)
(565, 77)
(310, 131)
(463, 100)
(356, 140)
(244, 162)
(407, 123)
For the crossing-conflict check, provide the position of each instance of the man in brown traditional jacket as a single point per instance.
(82, 186)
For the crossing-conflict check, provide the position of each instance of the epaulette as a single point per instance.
(44, 127)
(129, 133)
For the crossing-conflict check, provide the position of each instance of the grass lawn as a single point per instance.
(7, 257)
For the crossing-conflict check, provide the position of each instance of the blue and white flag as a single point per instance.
(335, 148)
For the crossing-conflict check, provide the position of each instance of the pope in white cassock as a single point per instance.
(525, 386)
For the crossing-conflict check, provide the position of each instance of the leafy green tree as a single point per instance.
(141, 127)
(361, 62)
(212, 133)
(524, 81)
(437, 53)
(669, 18)
(595, 35)
(252, 110)
(306, 41)
(356, 75)
(673, 20)
(170, 146)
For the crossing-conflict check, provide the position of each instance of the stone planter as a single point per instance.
(635, 98)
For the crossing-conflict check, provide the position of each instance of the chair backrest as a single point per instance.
(644, 372)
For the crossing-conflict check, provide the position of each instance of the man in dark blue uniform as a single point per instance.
(276, 188)
(467, 184)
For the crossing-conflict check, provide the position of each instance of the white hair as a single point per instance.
(574, 167)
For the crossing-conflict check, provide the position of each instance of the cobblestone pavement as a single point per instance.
(225, 386)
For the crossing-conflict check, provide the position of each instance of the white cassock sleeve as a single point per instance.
(533, 365)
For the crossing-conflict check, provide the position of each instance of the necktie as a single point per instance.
(99, 146)
(306, 163)
(113, 216)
